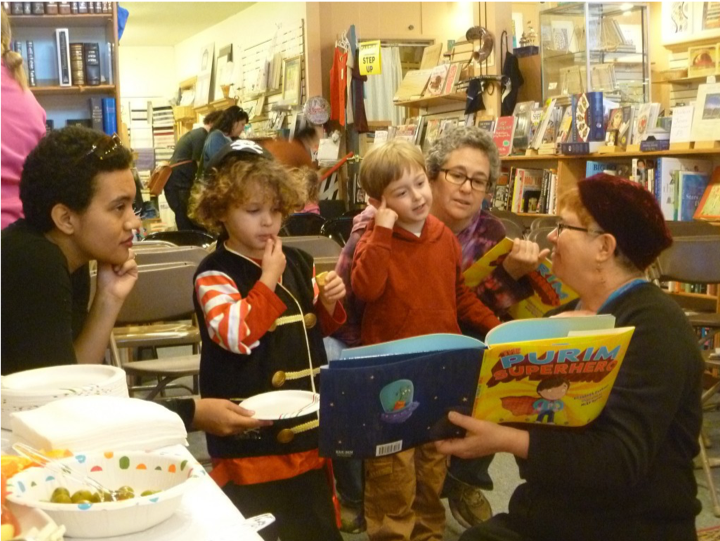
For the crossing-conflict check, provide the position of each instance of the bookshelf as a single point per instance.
(63, 103)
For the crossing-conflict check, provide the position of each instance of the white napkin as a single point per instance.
(100, 423)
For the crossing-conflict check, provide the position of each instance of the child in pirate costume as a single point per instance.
(262, 319)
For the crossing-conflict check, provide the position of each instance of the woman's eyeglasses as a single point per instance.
(105, 147)
(560, 226)
(458, 178)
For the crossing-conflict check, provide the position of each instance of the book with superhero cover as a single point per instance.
(381, 399)
(548, 291)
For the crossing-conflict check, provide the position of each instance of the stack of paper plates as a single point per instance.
(33, 388)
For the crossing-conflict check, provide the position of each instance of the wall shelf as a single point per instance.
(72, 90)
(614, 156)
(433, 101)
(59, 21)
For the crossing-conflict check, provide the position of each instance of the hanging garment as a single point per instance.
(358, 97)
(338, 86)
(512, 79)
(474, 101)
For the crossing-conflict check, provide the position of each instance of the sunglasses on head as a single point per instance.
(105, 147)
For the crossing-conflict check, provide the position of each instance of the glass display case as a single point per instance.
(595, 47)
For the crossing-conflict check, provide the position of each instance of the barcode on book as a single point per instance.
(388, 448)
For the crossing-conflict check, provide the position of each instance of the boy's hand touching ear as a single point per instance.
(273, 263)
(385, 217)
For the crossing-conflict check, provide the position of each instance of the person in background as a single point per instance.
(77, 193)
(22, 123)
(407, 271)
(188, 149)
(462, 165)
(226, 128)
(628, 475)
(256, 301)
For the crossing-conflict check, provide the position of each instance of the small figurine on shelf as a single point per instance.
(528, 37)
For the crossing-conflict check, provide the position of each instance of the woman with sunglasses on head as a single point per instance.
(77, 191)
(462, 166)
(23, 124)
(629, 474)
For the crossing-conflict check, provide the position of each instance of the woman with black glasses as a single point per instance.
(627, 476)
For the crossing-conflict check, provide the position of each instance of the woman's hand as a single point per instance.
(115, 282)
(273, 263)
(524, 257)
(331, 291)
(223, 418)
(484, 438)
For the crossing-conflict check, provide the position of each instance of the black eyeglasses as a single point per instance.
(458, 178)
(562, 225)
(105, 147)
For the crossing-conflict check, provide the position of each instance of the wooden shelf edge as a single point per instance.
(614, 156)
(431, 101)
(59, 90)
(78, 19)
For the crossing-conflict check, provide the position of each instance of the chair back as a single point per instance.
(144, 244)
(183, 238)
(331, 208)
(302, 224)
(512, 229)
(693, 259)
(539, 235)
(690, 229)
(338, 229)
(194, 254)
(315, 245)
(544, 221)
(163, 292)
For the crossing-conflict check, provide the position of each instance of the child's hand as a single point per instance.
(332, 289)
(385, 217)
(273, 263)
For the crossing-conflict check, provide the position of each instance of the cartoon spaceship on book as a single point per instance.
(397, 401)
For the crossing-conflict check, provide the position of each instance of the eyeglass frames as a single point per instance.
(105, 147)
(458, 178)
(560, 226)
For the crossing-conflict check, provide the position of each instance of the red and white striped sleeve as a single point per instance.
(228, 315)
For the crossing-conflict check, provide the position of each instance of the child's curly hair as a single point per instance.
(234, 182)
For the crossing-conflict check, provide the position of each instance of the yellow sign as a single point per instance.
(370, 58)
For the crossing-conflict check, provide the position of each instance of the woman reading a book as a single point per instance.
(629, 474)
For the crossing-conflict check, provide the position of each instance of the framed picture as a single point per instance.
(224, 69)
(292, 77)
(706, 119)
(203, 88)
(702, 61)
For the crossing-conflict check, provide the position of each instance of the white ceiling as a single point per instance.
(169, 23)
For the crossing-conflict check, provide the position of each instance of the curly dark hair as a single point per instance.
(60, 170)
(229, 117)
(235, 180)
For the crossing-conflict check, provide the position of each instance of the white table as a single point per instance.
(205, 514)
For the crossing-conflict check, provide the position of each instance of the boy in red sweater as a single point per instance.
(407, 271)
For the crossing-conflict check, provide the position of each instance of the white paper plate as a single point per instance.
(55, 378)
(282, 404)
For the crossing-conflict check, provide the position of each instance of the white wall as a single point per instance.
(147, 72)
(245, 29)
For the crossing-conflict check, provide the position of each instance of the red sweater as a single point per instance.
(413, 285)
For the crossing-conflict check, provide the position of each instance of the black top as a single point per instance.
(629, 474)
(190, 146)
(43, 306)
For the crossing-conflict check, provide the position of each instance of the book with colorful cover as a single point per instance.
(381, 399)
(709, 206)
(504, 133)
(691, 187)
(548, 291)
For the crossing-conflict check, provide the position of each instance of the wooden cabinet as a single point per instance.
(63, 103)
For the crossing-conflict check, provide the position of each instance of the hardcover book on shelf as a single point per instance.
(667, 188)
(546, 119)
(32, 80)
(413, 85)
(77, 67)
(548, 291)
(500, 195)
(91, 53)
(379, 400)
(436, 81)
(709, 206)
(564, 133)
(504, 134)
(453, 74)
(109, 116)
(96, 113)
(691, 187)
(62, 45)
(486, 124)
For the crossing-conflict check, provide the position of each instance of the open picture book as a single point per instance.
(548, 291)
(381, 399)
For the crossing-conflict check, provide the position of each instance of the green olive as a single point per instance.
(149, 492)
(61, 497)
(106, 497)
(60, 490)
(126, 489)
(82, 496)
(124, 495)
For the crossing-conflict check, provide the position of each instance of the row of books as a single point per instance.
(85, 64)
(56, 8)
(702, 289)
(523, 190)
(17, 46)
(436, 81)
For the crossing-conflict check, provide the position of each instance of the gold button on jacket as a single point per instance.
(278, 379)
(310, 320)
(285, 435)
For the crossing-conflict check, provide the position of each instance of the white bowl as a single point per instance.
(142, 471)
(31, 389)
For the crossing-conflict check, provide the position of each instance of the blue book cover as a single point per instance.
(109, 116)
(691, 188)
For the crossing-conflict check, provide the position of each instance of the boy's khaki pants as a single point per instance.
(402, 495)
